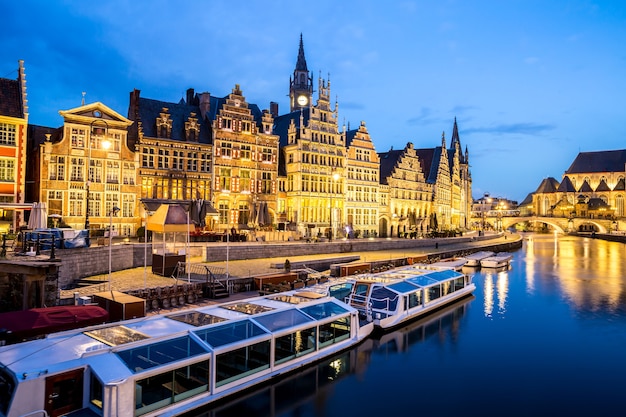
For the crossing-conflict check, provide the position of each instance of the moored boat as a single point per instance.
(396, 296)
(499, 260)
(168, 364)
(474, 259)
(452, 263)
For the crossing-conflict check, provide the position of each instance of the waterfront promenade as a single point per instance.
(142, 277)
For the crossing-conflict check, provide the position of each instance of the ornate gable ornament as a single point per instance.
(164, 124)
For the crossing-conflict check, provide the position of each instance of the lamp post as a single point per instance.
(335, 178)
(112, 213)
(484, 200)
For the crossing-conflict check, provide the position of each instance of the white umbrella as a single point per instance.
(38, 216)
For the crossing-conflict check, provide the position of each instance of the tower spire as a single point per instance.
(301, 63)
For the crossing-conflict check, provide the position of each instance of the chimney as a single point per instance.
(205, 104)
(190, 94)
(274, 108)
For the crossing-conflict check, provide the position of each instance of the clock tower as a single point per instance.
(301, 84)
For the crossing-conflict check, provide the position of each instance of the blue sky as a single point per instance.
(531, 83)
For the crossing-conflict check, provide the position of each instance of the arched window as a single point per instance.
(619, 206)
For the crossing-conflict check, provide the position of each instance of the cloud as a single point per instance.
(513, 129)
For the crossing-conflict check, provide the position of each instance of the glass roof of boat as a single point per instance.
(403, 287)
(116, 335)
(247, 308)
(160, 353)
(230, 332)
(196, 318)
(295, 298)
(321, 311)
(434, 277)
(282, 319)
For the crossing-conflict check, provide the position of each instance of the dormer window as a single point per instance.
(164, 124)
(192, 128)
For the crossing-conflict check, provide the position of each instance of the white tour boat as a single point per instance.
(474, 259)
(499, 260)
(165, 365)
(396, 296)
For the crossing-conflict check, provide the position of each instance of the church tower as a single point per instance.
(301, 84)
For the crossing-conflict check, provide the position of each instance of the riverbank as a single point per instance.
(142, 278)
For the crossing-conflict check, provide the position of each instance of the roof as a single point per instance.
(429, 159)
(11, 99)
(585, 188)
(548, 185)
(602, 161)
(149, 111)
(281, 124)
(603, 186)
(527, 201)
(388, 161)
(566, 186)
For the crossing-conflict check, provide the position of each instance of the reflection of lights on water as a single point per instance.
(336, 366)
(488, 290)
(502, 284)
(499, 290)
(530, 266)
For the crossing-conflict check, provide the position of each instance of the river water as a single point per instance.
(545, 337)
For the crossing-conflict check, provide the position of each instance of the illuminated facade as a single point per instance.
(593, 186)
(174, 150)
(13, 134)
(314, 153)
(87, 159)
(245, 170)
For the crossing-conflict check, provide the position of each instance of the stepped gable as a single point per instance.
(585, 188)
(548, 185)
(602, 186)
(602, 161)
(566, 186)
(597, 204)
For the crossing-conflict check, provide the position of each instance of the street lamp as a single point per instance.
(484, 200)
(335, 178)
(112, 213)
(93, 131)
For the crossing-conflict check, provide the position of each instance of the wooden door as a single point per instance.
(64, 393)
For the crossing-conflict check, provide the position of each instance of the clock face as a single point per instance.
(303, 100)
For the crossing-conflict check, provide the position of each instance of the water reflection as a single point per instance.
(316, 385)
(589, 272)
(495, 289)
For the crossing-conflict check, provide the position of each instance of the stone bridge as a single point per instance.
(560, 224)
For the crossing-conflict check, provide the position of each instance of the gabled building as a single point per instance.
(174, 149)
(593, 186)
(13, 144)
(85, 169)
(362, 202)
(314, 153)
(245, 158)
(410, 196)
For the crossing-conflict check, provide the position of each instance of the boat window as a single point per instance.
(459, 284)
(295, 344)
(433, 293)
(415, 299)
(384, 299)
(116, 335)
(161, 390)
(95, 391)
(446, 288)
(247, 308)
(422, 280)
(334, 332)
(157, 354)
(242, 362)
(361, 289)
(341, 291)
(196, 318)
(7, 388)
(320, 311)
(230, 333)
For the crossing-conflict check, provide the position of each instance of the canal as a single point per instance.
(545, 337)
